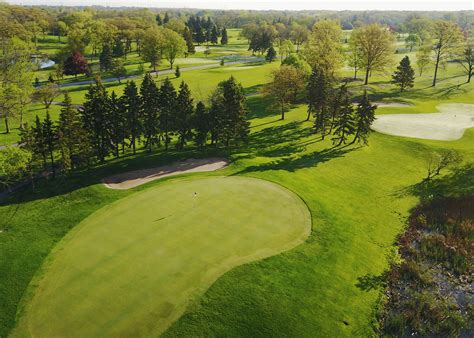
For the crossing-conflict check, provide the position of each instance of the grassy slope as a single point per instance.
(179, 257)
(354, 198)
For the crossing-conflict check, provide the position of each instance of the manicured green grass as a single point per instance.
(357, 196)
(159, 249)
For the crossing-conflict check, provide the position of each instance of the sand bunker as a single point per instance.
(447, 125)
(392, 104)
(135, 178)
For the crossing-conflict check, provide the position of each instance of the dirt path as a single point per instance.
(449, 124)
(135, 178)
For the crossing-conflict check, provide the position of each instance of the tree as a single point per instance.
(271, 54)
(50, 138)
(286, 48)
(224, 38)
(96, 119)
(150, 106)
(46, 94)
(75, 64)
(152, 44)
(201, 124)
(184, 115)
(119, 49)
(177, 72)
(375, 44)
(173, 45)
(118, 69)
(207, 51)
(364, 117)
(189, 40)
(423, 58)
(354, 58)
(39, 147)
(105, 58)
(167, 110)
(412, 40)
(14, 163)
(287, 83)
(344, 124)
(466, 59)
(323, 50)
(404, 76)
(73, 140)
(131, 104)
(117, 124)
(299, 35)
(159, 21)
(448, 37)
(214, 35)
(166, 19)
(319, 97)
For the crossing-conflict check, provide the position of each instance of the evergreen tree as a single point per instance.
(214, 35)
(319, 98)
(201, 124)
(39, 146)
(105, 58)
(224, 38)
(159, 21)
(189, 40)
(177, 72)
(150, 108)
(404, 76)
(184, 114)
(365, 116)
(344, 125)
(166, 19)
(73, 140)
(116, 125)
(167, 110)
(96, 119)
(118, 49)
(271, 54)
(50, 140)
(200, 36)
(131, 104)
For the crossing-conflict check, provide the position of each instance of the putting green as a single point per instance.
(131, 268)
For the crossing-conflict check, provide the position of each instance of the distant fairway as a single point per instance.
(132, 267)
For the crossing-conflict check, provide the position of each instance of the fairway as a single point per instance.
(132, 268)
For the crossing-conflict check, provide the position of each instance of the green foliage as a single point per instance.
(271, 54)
(14, 164)
(404, 76)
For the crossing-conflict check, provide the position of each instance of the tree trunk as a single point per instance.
(367, 76)
(469, 76)
(7, 128)
(309, 115)
(52, 162)
(282, 113)
(171, 64)
(355, 73)
(436, 70)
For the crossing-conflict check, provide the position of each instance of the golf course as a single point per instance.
(209, 200)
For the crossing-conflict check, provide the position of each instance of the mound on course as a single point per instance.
(131, 268)
(135, 178)
(447, 125)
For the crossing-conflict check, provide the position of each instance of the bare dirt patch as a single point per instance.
(135, 178)
(447, 125)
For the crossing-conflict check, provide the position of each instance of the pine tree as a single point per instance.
(159, 21)
(319, 98)
(344, 125)
(73, 140)
(39, 147)
(131, 104)
(50, 140)
(118, 49)
(167, 110)
(364, 117)
(96, 119)
(189, 40)
(271, 54)
(150, 107)
(177, 72)
(166, 19)
(105, 58)
(214, 35)
(184, 114)
(201, 124)
(404, 76)
(224, 38)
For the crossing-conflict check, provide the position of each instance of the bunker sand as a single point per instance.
(447, 125)
(135, 178)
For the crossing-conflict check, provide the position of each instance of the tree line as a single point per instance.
(148, 116)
